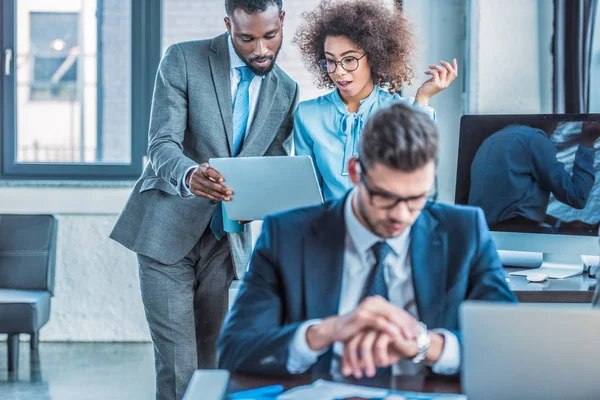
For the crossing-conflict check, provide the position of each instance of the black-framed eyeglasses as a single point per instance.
(387, 201)
(349, 63)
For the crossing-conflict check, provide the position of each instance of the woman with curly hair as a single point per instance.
(363, 50)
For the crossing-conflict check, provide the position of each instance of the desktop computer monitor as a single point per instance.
(537, 179)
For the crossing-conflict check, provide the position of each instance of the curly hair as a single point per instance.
(383, 33)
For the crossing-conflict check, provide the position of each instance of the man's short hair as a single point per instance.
(250, 6)
(399, 137)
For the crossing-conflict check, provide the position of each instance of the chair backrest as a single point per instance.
(27, 252)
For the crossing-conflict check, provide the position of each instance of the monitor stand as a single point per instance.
(556, 266)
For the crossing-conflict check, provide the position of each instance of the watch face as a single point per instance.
(422, 336)
(593, 270)
(423, 343)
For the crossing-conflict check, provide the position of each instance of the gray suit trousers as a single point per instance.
(185, 304)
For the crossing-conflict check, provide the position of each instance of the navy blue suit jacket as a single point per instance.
(295, 274)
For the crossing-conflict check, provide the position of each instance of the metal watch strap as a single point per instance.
(423, 344)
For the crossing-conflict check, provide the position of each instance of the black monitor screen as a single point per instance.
(532, 173)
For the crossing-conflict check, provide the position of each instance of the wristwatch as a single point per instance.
(592, 271)
(423, 343)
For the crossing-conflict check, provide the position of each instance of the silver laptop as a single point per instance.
(266, 185)
(532, 351)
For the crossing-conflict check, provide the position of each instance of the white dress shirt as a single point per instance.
(358, 261)
(234, 63)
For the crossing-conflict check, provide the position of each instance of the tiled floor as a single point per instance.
(82, 371)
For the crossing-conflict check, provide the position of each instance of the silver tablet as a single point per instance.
(266, 185)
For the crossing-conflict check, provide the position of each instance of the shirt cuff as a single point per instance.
(449, 361)
(186, 190)
(585, 154)
(426, 109)
(301, 357)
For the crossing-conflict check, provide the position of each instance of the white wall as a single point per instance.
(510, 63)
(440, 31)
(595, 70)
(181, 23)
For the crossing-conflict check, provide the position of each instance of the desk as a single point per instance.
(576, 289)
(239, 382)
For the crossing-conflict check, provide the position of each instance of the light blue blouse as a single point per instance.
(329, 134)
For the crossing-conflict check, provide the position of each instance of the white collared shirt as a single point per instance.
(358, 261)
(234, 62)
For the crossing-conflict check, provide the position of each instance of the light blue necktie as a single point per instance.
(241, 111)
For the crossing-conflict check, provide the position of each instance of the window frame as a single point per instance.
(146, 33)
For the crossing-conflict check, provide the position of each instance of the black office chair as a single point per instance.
(27, 268)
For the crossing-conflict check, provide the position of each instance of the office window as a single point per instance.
(54, 50)
(72, 106)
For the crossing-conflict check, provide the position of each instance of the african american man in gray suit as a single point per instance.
(221, 97)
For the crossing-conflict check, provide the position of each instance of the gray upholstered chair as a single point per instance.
(27, 267)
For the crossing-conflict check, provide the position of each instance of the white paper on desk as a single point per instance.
(326, 390)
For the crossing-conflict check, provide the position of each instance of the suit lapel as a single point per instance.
(259, 139)
(323, 265)
(428, 256)
(219, 67)
(324, 262)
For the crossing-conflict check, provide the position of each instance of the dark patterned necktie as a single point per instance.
(375, 284)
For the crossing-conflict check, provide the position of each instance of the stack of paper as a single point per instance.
(326, 390)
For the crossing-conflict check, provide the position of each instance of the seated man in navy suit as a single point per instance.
(369, 284)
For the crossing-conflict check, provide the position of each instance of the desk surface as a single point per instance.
(576, 289)
(239, 382)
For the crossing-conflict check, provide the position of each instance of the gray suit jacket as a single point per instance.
(191, 122)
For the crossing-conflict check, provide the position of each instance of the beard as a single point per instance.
(256, 70)
(374, 225)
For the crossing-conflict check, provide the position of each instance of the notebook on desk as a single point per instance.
(326, 390)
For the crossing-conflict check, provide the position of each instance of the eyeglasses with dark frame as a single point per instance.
(387, 201)
(349, 64)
